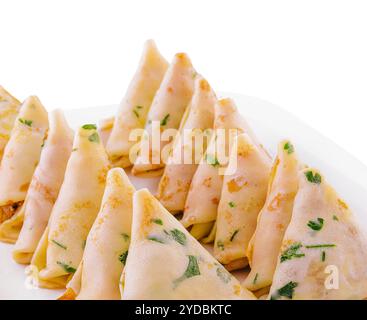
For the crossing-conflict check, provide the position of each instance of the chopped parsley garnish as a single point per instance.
(89, 126)
(123, 257)
(66, 267)
(178, 236)
(26, 122)
(255, 279)
(94, 137)
(316, 246)
(220, 245)
(335, 218)
(289, 147)
(231, 204)
(316, 225)
(59, 244)
(152, 238)
(233, 235)
(313, 178)
(165, 120)
(74, 149)
(212, 160)
(287, 291)
(125, 236)
(157, 221)
(292, 252)
(192, 270)
(223, 274)
(136, 111)
(323, 256)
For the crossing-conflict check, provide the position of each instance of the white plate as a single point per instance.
(271, 124)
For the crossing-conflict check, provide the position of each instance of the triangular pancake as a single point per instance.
(166, 262)
(205, 189)
(61, 248)
(167, 109)
(21, 156)
(42, 193)
(175, 182)
(135, 105)
(107, 243)
(274, 218)
(243, 196)
(323, 254)
(9, 108)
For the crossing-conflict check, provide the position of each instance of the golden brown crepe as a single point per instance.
(135, 105)
(167, 109)
(42, 193)
(61, 247)
(205, 189)
(323, 253)
(9, 108)
(175, 182)
(243, 196)
(106, 250)
(274, 218)
(21, 156)
(166, 262)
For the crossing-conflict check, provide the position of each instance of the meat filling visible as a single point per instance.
(7, 211)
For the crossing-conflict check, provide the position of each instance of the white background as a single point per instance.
(309, 57)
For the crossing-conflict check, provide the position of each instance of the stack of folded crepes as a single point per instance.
(222, 203)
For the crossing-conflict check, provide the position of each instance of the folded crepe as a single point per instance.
(104, 129)
(323, 254)
(21, 156)
(107, 243)
(274, 218)
(42, 193)
(9, 108)
(60, 249)
(166, 111)
(175, 182)
(205, 189)
(243, 196)
(166, 262)
(135, 105)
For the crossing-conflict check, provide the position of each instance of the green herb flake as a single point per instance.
(233, 235)
(316, 225)
(125, 236)
(136, 111)
(313, 178)
(74, 149)
(223, 274)
(317, 246)
(89, 126)
(289, 148)
(178, 236)
(335, 218)
(287, 291)
(165, 120)
(66, 267)
(231, 204)
(212, 160)
(59, 244)
(292, 252)
(323, 256)
(123, 257)
(157, 221)
(43, 144)
(255, 279)
(192, 270)
(152, 238)
(220, 245)
(94, 137)
(26, 122)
